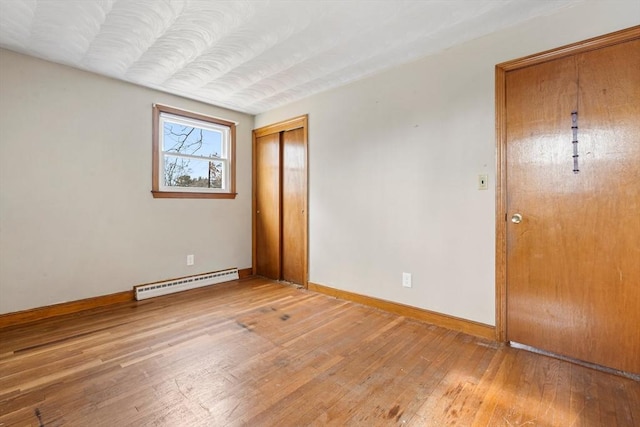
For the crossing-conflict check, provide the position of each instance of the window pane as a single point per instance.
(179, 138)
(185, 172)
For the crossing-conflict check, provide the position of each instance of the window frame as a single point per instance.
(158, 189)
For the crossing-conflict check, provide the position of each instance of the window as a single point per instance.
(193, 155)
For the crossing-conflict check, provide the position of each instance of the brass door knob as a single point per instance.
(516, 218)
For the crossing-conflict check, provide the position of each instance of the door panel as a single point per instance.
(573, 261)
(539, 173)
(267, 199)
(610, 99)
(294, 186)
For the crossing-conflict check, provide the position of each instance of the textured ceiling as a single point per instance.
(249, 55)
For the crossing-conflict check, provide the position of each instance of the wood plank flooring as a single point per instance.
(259, 353)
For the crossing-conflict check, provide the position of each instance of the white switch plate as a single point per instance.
(190, 260)
(406, 280)
(483, 182)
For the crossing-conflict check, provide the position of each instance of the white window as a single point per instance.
(193, 155)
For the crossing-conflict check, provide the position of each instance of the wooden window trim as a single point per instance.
(155, 189)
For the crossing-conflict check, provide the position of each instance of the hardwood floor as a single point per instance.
(259, 353)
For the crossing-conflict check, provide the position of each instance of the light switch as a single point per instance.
(483, 182)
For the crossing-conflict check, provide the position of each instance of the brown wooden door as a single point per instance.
(294, 188)
(573, 262)
(267, 206)
(280, 201)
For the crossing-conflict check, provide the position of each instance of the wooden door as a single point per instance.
(573, 262)
(267, 206)
(280, 201)
(294, 188)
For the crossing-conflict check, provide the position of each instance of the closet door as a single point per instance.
(280, 201)
(267, 211)
(573, 233)
(294, 189)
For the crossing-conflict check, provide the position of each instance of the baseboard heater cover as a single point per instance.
(185, 283)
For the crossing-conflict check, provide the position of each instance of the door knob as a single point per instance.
(516, 218)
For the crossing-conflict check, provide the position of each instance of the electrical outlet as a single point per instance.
(190, 260)
(483, 182)
(406, 280)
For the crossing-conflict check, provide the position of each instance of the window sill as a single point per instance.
(187, 195)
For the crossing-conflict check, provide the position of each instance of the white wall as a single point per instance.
(394, 162)
(77, 218)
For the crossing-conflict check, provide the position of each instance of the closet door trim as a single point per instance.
(501, 141)
(291, 124)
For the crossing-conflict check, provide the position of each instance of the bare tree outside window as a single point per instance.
(179, 171)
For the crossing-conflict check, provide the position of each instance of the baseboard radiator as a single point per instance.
(182, 284)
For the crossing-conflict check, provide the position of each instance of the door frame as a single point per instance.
(501, 145)
(300, 122)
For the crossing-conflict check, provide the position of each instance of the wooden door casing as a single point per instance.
(570, 268)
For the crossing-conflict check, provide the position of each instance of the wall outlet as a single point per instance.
(190, 260)
(406, 280)
(483, 182)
